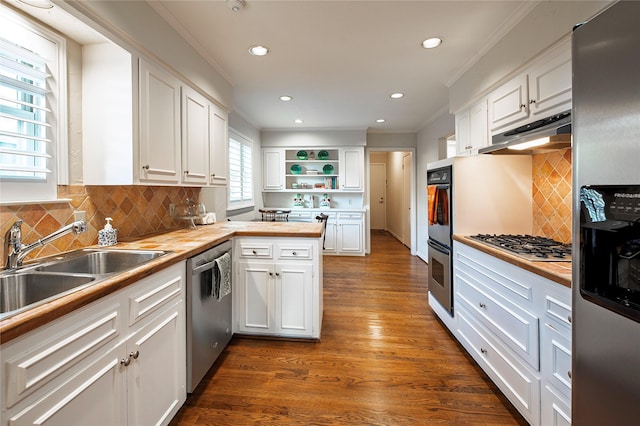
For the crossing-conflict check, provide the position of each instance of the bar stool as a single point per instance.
(322, 218)
(270, 215)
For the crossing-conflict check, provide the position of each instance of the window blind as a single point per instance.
(240, 173)
(24, 130)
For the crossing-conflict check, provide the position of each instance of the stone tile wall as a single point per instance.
(136, 211)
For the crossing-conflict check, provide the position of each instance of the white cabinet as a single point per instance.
(120, 360)
(279, 287)
(350, 234)
(195, 137)
(471, 129)
(159, 146)
(273, 169)
(543, 89)
(218, 146)
(352, 169)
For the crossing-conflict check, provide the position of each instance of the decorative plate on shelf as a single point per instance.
(327, 169)
(323, 155)
(296, 169)
(302, 155)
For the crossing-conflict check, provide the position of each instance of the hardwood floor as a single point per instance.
(384, 359)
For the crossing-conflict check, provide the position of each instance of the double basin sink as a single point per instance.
(51, 278)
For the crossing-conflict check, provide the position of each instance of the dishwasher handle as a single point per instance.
(204, 267)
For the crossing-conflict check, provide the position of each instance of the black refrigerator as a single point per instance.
(606, 218)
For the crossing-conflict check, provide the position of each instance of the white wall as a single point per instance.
(305, 138)
(427, 152)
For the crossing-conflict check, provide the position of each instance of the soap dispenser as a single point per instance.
(108, 236)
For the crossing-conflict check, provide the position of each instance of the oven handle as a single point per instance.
(438, 247)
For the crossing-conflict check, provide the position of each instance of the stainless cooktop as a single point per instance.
(528, 247)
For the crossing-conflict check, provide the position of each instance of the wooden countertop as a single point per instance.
(559, 272)
(183, 243)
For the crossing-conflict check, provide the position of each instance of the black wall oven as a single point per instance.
(439, 244)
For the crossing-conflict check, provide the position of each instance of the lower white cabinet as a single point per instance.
(345, 234)
(517, 327)
(279, 286)
(119, 360)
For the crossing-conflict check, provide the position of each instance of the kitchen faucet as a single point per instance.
(16, 251)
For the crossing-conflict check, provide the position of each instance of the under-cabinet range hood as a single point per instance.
(541, 136)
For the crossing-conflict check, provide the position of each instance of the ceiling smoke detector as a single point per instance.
(235, 5)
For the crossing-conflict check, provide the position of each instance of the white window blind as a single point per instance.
(240, 171)
(24, 130)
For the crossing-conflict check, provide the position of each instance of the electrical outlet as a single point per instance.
(172, 210)
(79, 215)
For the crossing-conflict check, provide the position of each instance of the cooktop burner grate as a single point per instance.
(529, 247)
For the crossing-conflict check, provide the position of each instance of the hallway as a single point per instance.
(384, 359)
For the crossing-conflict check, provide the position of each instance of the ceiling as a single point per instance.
(340, 60)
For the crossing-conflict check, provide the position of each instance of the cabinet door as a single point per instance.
(273, 169)
(218, 143)
(550, 84)
(330, 237)
(350, 237)
(95, 396)
(478, 132)
(463, 144)
(255, 297)
(159, 151)
(195, 137)
(508, 104)
(294, 303)
(352, 169)
(156, 374)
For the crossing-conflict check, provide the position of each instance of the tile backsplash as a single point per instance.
(552, 195)
(136, 211)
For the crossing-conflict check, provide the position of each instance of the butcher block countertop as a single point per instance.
(183, 243)
(559, 272)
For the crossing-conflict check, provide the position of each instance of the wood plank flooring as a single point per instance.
(384, 359)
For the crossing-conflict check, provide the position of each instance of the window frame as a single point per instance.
(20, 191)
(243, 203)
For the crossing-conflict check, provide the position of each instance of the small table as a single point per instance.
(270, 215)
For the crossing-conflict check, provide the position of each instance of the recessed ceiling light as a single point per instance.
(432, 42)
(235, 5)
(297, 121)
(396, 95)
(380, 120)
(40, 4)
(285, 98)
(258, 50)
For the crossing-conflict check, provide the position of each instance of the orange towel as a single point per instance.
(432, 194)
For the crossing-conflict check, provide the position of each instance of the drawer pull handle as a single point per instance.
(483, 350)
(482, 305)
(254, 252)
(569, 373)
(135, 354)
(125, 361)
(294, 253)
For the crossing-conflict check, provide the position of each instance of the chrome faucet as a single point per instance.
(16, 251)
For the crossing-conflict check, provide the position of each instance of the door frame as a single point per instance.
(412, 217)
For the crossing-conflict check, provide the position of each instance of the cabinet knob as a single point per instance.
(186, 172)
(569, 319)
(532, 101)
(125, 361)
(213, 175)
(482, 305)
(134, 355)
(293, 253)
(254, 252)
(277, 274)
(270, 274)
(483, 350)
(569, 373)
(145, 167)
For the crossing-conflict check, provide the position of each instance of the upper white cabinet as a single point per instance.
(273, 169)
(352, 168)
(218, 143)
(471, 129)
(159, 147)
(543, 89)
(195, 137)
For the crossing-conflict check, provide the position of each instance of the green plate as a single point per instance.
(327, 169)
(296, 169)
(302, 155)
(323, 155)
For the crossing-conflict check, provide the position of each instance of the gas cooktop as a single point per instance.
(528, 247)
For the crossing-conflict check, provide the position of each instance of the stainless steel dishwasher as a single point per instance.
(209, 304)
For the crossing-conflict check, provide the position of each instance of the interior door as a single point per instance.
(378, 196)
(406, 200)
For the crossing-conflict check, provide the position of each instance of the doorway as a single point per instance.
(378, 196)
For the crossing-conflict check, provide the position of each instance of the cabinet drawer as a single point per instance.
(295, 252)
(558, 310)
(300, 216)
(556, 410)
(556, 344)
(44, 355)
(350, 216)
(153, 293)
(256, 250)
(517, 328)
(516, 381)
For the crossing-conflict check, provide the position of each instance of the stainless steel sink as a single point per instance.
(100, 262)
(53, 277)
(20, 290)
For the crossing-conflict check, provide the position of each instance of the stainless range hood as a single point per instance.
(545, 135)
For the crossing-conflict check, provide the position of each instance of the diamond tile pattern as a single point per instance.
(136, 211)
(552, 195)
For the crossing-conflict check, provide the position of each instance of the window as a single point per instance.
(240, 172)
(31, 126)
